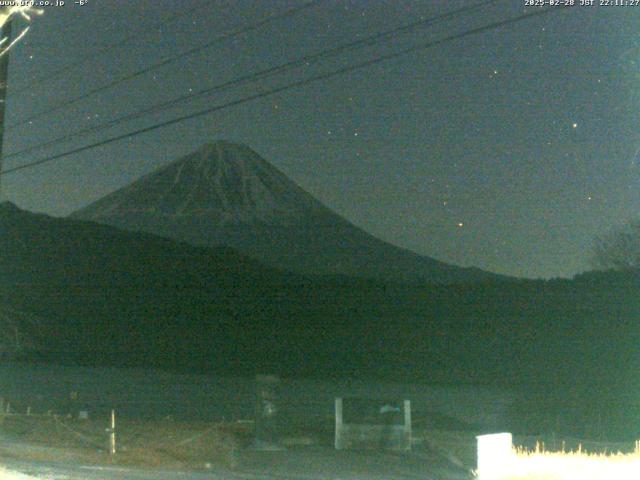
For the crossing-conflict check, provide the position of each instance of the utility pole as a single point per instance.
(4, 77)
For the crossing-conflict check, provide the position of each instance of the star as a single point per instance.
(574, 125)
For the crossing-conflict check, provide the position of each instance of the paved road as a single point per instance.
(62, 471)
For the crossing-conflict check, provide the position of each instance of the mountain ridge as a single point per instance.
(225, 193)
(93, 294)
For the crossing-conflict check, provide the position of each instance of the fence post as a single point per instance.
(407, 424)
(338, 439)
(112, 433)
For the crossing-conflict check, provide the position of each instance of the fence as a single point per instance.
(108, 439)
(152, 395)
(145, 394)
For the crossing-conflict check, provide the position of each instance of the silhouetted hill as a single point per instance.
(111, 297)
(226, 194)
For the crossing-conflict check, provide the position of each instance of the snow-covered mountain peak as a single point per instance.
(227, 182)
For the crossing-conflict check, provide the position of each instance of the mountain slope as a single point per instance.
(92, 294)
(226, 194)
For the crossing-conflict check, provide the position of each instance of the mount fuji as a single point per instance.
(226, 194)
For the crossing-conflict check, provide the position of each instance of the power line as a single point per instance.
(166, 61)
(262, 74)
(106, 48)
(299, 83)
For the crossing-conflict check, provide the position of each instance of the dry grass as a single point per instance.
(578, 465)
(166, 444)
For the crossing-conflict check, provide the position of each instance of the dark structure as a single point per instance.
(366, 423)
(267, 436)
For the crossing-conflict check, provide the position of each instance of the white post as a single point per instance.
(495, 456)
(112, 433)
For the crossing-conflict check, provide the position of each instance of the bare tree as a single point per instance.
(619, 249)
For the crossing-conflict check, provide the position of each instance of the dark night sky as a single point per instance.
(509, 150)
